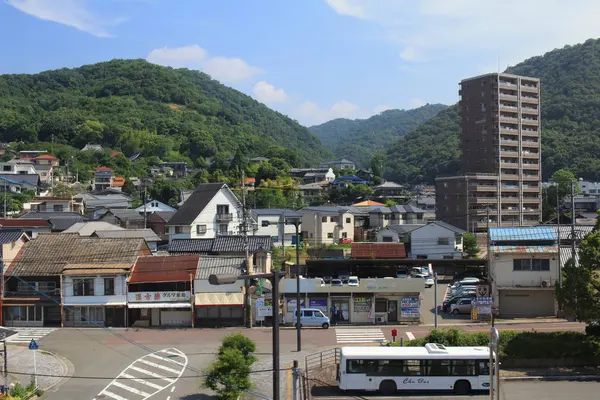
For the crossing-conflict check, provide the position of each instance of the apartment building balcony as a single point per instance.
(504, 153)
(492, 223)
(484, 200)
(508, 96)
(535, 166)
(509, 141)
(529, 99)
(507, 118)
(530, 121)
(507, 106)
(505, 84)
(533, 144)
(527, 177)
(527, 132)
(507, 176)
(531, 110)
(529, 88)
(529, 154)
(510, 210)
(530, 189)
(485, 188)
(531, 210)
(483, 211)
(224, 217)
(510, 188)
(531, 221)
(531, 200)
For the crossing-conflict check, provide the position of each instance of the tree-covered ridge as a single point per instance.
(136, 106)
(570, 121)
(359, 139)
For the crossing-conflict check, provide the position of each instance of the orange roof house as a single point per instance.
(368, 203)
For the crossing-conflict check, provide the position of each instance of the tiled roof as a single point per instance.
(164, 268)
(389, 185)
(220, 244)
(49, 253)
(449, 227)
(368, 203)
(110, 200)
(219, 266)
(164, 215)
(126, 214)
(61, 224)
(103, 168)
(146, 234)
(88, 228)
(196, 203)
(10, 236)
(97, 268)
(378, 250)
(47, 215)
(23, 222)
(45, 157)
(404, 228)
(523, 233)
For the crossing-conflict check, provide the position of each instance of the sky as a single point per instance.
(313, 60)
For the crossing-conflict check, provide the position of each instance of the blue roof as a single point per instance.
(523, 233)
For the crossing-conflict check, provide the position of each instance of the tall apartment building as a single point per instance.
(500, 181)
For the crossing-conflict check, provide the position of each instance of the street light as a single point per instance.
(274, 278)
(296, 222)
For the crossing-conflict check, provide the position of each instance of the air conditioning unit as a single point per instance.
(546, 284)
(380, 320)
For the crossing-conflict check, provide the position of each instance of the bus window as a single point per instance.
(484, 367)
(436, 367)
(412, 367)
(463, 367)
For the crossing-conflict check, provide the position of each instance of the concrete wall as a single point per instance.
(501, 265)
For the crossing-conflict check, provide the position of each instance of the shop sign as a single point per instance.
(482, 308)
(151, 297)
(409, 307)
(264, 307)
(320, 304)
(291, 304)
(362, 304)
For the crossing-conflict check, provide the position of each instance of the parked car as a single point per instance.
(463, 289)
(353, 281)
(428, 279)
(327, 279)
(312, 317)
(429, 282)
(463, 306)
(336, 282)
(453, 300)
(344, 279)
(466, 281)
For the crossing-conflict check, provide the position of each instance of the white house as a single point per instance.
(16, 166)
(211, 210)
(524, 269)
(396, 233)
(381, 217)
(154, 206)
(272, 222)
(436, 240)
(326, 224)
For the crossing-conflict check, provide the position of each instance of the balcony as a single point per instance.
(507, 84)
(531, 110)
(483, 211)
(508, 106)
(224, 217)
(530, 144)
(528, 154)
(508, 96)
(510, 188)
(529, 99)
(535, 167)
(486, 188)
(505, 153)
(529, 88)
(506, 200)
(510, 210)
(531, 189)
(531, 177)
(484, 200)
(505, 140)
(508, 119)
(530, 122)
(529, 210)
(531, 200)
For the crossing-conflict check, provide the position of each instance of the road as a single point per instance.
(508, 391)
(99, 356)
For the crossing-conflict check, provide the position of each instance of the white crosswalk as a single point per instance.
(359, 335)
(24, 335)
(146, 376)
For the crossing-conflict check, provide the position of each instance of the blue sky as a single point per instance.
(313, 60)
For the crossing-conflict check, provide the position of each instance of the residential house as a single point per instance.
(219, 305)
(154, 206)
(88, 228)
(31, 226)
(25, 181)
(327, 224)
(30, 154)
(396, 233)
(250, 182)
(368, 203)
(92, 147)
(147, 234)
(365, 174)
(314, 191)
(396, 215)
(312, 175)
(347, 180)
(17, 167)
(125, 218)
(179, 168)
(157, 221)
(8, 185)
(56, 204)
(11, 242)
(436, 240)
(339, 164)
(259, 249)
(272, 222)
(159, 290)
(45, 165)
(524, 269)
(59, 221)
(389, 189)
(211, 210)
(34, 277)
(104, 178)
(425, 203)
(97, 203)
(587, 188)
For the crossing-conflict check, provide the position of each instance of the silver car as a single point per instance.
(462, 306)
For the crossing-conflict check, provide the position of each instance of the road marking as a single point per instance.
(359, 335)
(139, 380)
(410, 336)
(120, 390)
(132, 390)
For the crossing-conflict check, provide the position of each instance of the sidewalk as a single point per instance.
(20, 367)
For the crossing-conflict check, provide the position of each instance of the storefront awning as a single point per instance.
(159, 305)
(100, 304)
(219, 299)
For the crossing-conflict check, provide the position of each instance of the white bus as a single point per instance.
(432, 367)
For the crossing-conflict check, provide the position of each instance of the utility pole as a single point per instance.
(5, 194)
(244, 227)
(144, 202)
(489, 256)
(573, 237)
(558, 235)
(5, 364)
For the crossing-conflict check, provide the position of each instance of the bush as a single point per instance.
(593, 329)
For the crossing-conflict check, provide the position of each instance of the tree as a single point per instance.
(229, 375)
(563, 179)
(377, 164)
(580, 288)
(470, 248)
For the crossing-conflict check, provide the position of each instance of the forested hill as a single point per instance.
(141, 107)
(570, 106)
(359, 139)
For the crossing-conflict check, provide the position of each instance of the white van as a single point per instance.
(312, 317)
(466, 281)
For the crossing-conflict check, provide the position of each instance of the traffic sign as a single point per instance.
(33, 345)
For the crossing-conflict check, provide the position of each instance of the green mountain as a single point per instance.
(570, 107)
(359, 139)
(136, 106)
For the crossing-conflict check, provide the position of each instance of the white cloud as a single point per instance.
(71, 13)
(181, 57)
(381, 108)
(309, 113)
(224, 69)
(268, 94)
(416, 102)
(444, 29)
(230, 69)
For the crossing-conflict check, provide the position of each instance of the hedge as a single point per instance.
(521, 345)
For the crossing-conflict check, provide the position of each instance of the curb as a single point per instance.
(579, 378)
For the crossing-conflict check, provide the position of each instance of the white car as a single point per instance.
(336, 282)
(353, 281)
(428, 279)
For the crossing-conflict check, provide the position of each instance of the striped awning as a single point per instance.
(219, 299)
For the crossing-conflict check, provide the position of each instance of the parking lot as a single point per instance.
(428, 308)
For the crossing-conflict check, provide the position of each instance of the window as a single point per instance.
(536, 264)
(83, 287)
(109, 286)
(222, 209)
(330, 235)
(323, 219)
(264, 223)
(436, 367)
(348, 220)
(59, 207)
(24, 313)
(274, 239)
(307, 313)
(223, 229)
(7, 168)
(200, 229)
(444, 241)
(179, 229)
(387, 239)
(463, 367)
(335, 219)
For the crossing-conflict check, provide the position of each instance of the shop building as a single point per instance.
(159, 291)
(374, 300)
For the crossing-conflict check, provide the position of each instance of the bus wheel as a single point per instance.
(387, 388)
(462, 388)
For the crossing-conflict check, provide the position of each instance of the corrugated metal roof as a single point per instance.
(524, 249)
(524, 233)
(164, 268)
(219, 266)
(10, 236)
